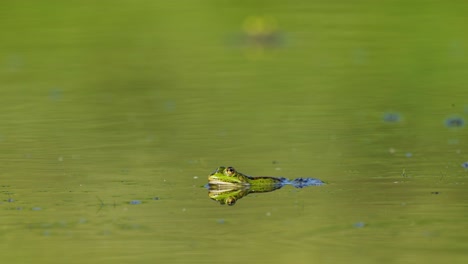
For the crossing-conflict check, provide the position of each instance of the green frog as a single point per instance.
(227, 186)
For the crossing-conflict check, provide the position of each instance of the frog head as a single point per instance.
(228, 176)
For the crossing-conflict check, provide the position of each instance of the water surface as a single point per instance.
(114, 113)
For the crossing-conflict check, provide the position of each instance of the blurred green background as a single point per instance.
(104, 103)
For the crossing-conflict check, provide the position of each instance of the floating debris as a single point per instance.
(409, 154)
(36, 208)
(391, 117)
(134, 202)
(454, 121)
(359, 224)
(465, 165)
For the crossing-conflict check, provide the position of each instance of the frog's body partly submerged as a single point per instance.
(226, 185)
(229, 176)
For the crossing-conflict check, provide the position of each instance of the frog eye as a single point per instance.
(230, 201)
(230, 171)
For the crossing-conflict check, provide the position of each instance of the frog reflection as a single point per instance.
(231, 194)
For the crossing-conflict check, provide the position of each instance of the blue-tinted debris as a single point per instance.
(36, 208)
(391, 117)
(10, 200)
(134, 202)
(409, 154)
(220, 221)
(454, 121)
(465, 164)
(304, 182)
(359, 224)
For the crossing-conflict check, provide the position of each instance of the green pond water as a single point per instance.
(113, 113)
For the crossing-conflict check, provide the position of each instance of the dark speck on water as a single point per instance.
(465, 164)
(391, 117)
(359, 225)
(454, 121)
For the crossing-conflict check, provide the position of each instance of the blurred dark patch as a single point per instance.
(259, 34)
(359, 224)
(391, 117)
(454, 122)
